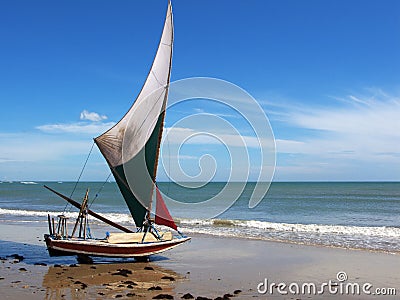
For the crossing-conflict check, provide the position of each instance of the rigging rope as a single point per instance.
(80, 175)
(98, 192)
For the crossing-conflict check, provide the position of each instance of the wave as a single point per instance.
(300, 228)
(28, 182)
(122, 218)
(246, 226)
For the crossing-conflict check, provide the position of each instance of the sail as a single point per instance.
(163, 217)
(131, 147)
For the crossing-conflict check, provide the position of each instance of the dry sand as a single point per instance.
(206, 267)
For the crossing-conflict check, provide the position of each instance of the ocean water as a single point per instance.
(350, 215)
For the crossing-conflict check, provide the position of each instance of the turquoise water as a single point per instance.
(355, 215)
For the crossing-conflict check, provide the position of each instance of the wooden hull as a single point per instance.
(102, 248)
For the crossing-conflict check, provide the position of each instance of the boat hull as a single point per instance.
(69, 247)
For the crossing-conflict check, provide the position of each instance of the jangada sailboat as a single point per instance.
(131, 149)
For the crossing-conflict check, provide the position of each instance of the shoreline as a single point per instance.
(379, 243)
(208, 266)
(290, 242)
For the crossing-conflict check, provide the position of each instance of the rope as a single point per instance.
(98, 192)
(80, 175)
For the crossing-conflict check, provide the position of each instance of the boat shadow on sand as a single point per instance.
(105, 278)
(109, 280)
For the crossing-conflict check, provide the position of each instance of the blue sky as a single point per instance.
(326, 74)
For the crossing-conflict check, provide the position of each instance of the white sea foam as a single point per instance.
(121, 218)
(28, 182)
(33, 213)
(373, 238)
(222, 224)
(324, 229)
(376, 238)
(300, 228)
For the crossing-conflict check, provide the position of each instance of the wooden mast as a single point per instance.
(164, 108)
(81, 215)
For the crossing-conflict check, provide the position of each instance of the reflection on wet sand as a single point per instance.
(115, 280)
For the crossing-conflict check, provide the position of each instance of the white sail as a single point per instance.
(131, 147)
(143, 114)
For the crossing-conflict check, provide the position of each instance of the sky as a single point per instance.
(325, 73)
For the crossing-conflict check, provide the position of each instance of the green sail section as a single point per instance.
(137, 210)
(140, 180)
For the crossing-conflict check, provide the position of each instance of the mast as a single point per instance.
(162, 118)
(131, 147)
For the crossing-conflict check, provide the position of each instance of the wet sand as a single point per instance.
(208, 267)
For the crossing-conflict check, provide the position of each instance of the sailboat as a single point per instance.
(131, 148)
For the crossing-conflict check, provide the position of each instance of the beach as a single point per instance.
(208, 266)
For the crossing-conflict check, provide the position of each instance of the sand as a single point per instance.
(209, 267)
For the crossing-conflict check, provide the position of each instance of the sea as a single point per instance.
(356, 215)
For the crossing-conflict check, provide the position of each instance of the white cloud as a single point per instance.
(94, 127)
(180, 135)
(375, 119)
(360, 138)
(289, 146)
(79, 127)
(181, 156)
(370, 129)
(92, 116)
(32, 152)
(37, 156)
(25, 147)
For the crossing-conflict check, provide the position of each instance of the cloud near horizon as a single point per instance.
(354, 138)
(362, 132)
(195, 136)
